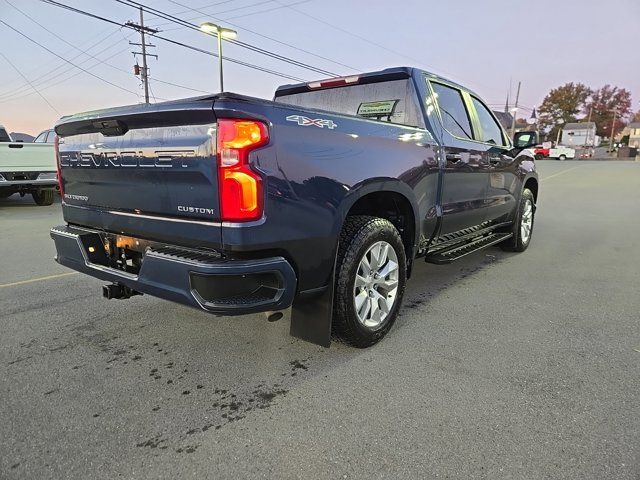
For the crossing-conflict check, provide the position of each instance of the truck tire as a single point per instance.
(539, 156)
(562, 157)
(523, 225)
(370, 280)
(43, 197)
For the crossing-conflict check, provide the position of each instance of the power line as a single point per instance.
(269, 9)
(233, 60)
(85, 52)
(245, 45)
(259, 34)
(235, 9)
(69, 77)
(47, 76)
(191, 47)
(29, 82)
(367, 40)
(348, 32)
(69, 62)
(145, 70)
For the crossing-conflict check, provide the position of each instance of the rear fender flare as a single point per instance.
(373, 186)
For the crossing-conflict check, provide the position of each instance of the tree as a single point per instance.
(603, 103)
(562, 105)
(636, 117)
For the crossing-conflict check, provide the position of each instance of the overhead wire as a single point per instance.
(50, 75)
(239, 43)
(102, 61)
(175, 42)
(213, 16)
(66, 60)
(31, 84)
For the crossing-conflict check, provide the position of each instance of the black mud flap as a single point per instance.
(311, 316)
(312, 312)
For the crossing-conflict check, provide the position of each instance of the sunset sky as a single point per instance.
(485, 45)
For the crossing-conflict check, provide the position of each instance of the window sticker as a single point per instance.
(383, 108)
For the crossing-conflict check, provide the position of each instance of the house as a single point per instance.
(506, 120)
(634, 134)
(581, 134)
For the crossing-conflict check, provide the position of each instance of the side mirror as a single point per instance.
(525, 139)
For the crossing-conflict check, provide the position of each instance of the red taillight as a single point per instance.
(56, 143)
(241, 197)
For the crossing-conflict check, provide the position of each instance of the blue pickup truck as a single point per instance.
(321, 200)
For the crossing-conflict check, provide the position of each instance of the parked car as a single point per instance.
(540, 152)
(48, 136)
(322, 199)
(562, 153)
(27, 168)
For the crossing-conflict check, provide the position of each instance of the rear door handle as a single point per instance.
(453, 157)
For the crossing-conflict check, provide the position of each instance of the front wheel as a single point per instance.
(523, 224)
(43, 197)
(370, 280)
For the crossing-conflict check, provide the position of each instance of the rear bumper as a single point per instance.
(200, 279)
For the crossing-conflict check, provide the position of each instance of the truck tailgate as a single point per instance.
(27, 157)
(147, 161)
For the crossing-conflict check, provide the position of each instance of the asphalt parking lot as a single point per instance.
(500, 366)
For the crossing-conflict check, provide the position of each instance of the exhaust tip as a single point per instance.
(274, 316)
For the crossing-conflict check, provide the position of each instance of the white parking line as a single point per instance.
(560, 173)
(38, 279)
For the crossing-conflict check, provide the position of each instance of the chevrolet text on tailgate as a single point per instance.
(320, 200)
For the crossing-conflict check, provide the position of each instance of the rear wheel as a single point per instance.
(562, 157)
(370, 280)
(43, 197)
(523, 225)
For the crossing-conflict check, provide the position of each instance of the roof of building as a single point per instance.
(505, 118)
(634, 125)
(580, 126)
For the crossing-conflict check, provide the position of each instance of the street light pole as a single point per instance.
(220, 33)
(220, 61)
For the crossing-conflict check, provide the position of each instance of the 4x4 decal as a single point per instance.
(316, 122)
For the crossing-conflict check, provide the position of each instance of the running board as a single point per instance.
(459, 251)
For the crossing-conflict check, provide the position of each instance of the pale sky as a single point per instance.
(483, 44)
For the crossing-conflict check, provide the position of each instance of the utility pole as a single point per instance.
(515, 112)
(586, 136)
(144, 74)
(613, 125)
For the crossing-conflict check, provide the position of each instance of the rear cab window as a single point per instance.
(454, 114)
(392, 101)
(42, 138)
(4, 136)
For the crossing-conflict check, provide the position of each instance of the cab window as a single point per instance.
(490, 131)
(453, 111)
(4, 136)
(42, 138)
